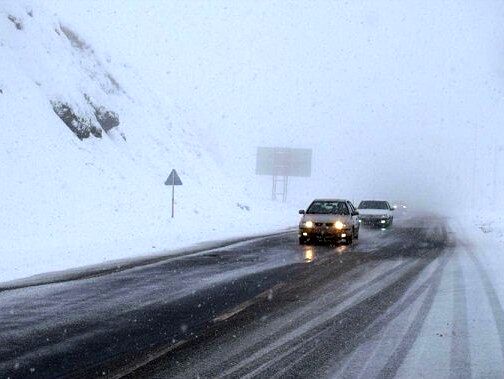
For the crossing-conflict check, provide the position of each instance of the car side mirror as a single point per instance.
(355, 213)
(302, 212)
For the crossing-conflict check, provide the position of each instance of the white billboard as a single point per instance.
(283, 161)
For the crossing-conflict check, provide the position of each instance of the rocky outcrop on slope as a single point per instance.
(81, 126)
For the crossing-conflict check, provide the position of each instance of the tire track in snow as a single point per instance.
(311, 346)
(460, 354)
(491, 294)
(337, 332)
(380, 325)
(401, 352)
(271, 342)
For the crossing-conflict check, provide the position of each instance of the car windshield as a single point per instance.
(328, 207)
(373, 205)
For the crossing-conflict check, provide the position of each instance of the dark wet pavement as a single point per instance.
(265, 308)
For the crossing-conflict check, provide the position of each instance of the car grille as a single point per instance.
(319, 224)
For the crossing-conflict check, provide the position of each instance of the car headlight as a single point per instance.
(339, 225)
(308, 224)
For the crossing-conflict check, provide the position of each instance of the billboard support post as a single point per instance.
(281, 163)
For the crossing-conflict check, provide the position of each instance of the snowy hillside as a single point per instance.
(85, 148)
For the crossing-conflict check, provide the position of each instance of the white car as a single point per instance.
(376, 213)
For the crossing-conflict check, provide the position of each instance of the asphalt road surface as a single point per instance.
(410, 301)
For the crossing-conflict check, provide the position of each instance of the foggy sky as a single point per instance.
(398, 99)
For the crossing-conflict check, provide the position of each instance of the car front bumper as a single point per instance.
(323, 233)
(375, 221)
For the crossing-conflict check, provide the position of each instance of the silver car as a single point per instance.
(376, 213)
(329, 219)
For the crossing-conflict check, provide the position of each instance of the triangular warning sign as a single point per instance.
(173, 179)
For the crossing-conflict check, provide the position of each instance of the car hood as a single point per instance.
(375, 212)
(325, 218)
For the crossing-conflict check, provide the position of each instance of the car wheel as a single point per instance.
(356, 235)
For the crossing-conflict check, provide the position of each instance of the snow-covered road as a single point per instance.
(432, 309)
(420, 300)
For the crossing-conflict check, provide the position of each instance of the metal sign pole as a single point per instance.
(173, 198)
(173, 180)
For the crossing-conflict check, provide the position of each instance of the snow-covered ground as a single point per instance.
(67, 202)
(99, 101)
(485, 235)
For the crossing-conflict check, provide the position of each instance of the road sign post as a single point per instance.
(173, 180)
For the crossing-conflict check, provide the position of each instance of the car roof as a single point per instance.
(342, 200)
(383, 201)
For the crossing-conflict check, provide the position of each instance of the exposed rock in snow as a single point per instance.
(17, 23)
(243, 207)
(74, 39)
(106, 118)
(82, 127)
